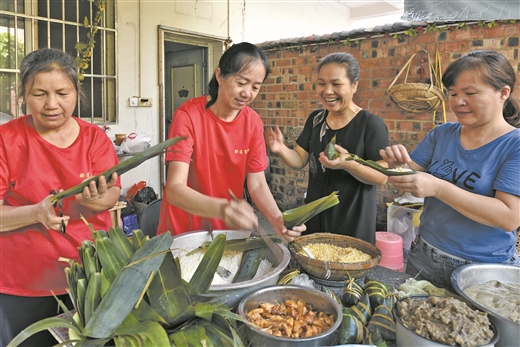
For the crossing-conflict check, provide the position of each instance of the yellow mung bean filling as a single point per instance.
(326, 252)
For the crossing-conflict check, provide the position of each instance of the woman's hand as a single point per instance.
(46, 214)
(360, 172)
(100, 196)
(338, 163)
(274, 139)
(285, 234)
(420, 184)
(239, 214)
(97, 191)
(395, 156)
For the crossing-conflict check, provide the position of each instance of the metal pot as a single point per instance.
(473, 274)
(231, 294)
(408, 338)
(279, 294)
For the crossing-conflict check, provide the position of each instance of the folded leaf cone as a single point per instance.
(300, 215)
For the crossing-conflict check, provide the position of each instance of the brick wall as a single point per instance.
(288, 95)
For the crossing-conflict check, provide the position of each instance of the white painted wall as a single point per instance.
(253, 21)
(137, 27)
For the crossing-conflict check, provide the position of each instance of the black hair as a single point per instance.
(495, 70)
(237, 58)
(346, 59)
(46, 60)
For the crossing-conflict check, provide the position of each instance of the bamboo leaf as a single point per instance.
(92, 296)
(120, 168)
(149, 332)
(239, 245)
(196, 336)
(204, 311)
(87, 254)
(124, 292)
(203, 276)
(80, 295)
(118, 236)
(92, 342)
(109, 256)
(168, 294)
(44, 324)
(219, 337)
(300, 215)
(249, 264)
(179, 339)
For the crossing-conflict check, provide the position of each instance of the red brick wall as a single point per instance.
(288, 94)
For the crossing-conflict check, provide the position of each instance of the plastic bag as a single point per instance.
(136, 142)
(145, 195)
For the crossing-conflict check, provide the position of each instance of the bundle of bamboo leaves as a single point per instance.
(301, 214)
(130, 293)
(120, 168)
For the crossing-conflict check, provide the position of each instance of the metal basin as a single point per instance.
(473, 274)
(279, 294)
(231, 294)
(408, 338)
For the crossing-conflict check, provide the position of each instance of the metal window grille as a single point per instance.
(27, 25)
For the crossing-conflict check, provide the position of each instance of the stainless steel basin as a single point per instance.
(473, 274)
(231, 294)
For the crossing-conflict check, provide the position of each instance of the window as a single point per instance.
(27, 25)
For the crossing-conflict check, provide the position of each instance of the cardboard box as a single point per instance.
(404, 222)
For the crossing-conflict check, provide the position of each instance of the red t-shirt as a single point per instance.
(219, 153)
(30, 168)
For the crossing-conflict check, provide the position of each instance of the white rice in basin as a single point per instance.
(229, 261)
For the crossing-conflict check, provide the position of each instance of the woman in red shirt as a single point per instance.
(224, 146)
(47, 150)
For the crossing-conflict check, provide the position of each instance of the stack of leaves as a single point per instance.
(130, 293)
(300, 215)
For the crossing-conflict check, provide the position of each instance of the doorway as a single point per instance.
(186, 70)
(187, 61)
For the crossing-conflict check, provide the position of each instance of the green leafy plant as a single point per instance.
(83, 49)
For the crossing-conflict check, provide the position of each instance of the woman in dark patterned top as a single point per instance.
(358, 132)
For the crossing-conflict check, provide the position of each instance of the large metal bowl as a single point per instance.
(320, 302)
(473, 274)
(408, 338)
(231, 294)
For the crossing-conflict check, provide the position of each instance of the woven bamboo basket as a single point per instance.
(417, 97)
(335, 271)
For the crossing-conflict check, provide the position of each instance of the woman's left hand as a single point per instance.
(420, 184)
(97, 190)
(338, 163)
(285, 234)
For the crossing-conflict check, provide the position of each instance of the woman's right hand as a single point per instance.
(395, 156)
(46, 214)
(274, 139)
(240, 215)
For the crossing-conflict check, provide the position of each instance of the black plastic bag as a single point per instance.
(145, 195)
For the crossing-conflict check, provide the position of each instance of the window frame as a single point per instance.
(100, 78)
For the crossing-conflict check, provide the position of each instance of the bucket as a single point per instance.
(391, 247)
